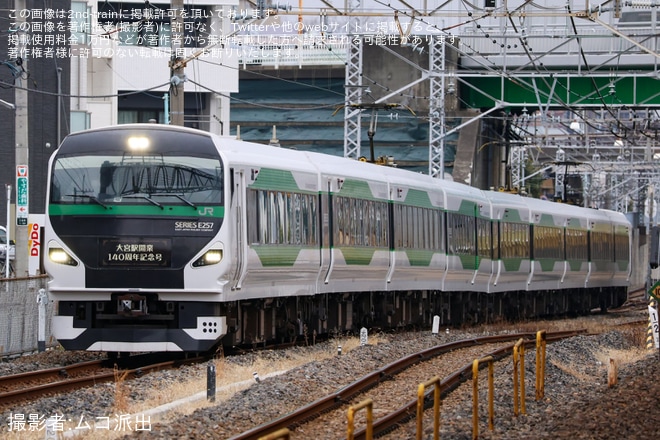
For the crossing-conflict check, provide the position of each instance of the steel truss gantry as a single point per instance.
(510, 59)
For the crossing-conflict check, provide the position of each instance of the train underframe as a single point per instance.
(143, 323)
(302, 319)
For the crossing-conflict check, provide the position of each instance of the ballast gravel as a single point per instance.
(578, 403)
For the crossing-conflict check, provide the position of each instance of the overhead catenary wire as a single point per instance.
(67, 95)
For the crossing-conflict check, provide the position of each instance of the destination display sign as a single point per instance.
(136, 252)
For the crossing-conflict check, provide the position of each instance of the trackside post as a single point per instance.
(519, 365)
(475, 394)
(369, 405)
(435, 381)
(42, 301)
(210, 381)
(540, 364)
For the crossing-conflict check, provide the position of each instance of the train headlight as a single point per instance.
(210, 257)
(138, 143)
(60, 256)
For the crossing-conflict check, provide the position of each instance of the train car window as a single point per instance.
(622, 252)
(545, 243)
(461, 234)
(309, 222)
(484, 238)
(514, 240)
(276, 217)
(417, 228)
(436, 229)
(602, 246)
(147, 179)
(577, 245)
(360, 222)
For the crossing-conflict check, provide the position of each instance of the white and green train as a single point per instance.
(162, 238)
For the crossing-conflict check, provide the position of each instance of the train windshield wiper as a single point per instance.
(147, 198)
(178, 196)
(86, 196)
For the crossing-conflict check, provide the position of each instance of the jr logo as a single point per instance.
(206, 211)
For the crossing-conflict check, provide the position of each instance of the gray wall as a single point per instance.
(19, 316)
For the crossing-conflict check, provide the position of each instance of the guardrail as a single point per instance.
(475, 394)
(519, 365)
(541, 342)
(435, 382)
(350, 430)
(283, 434)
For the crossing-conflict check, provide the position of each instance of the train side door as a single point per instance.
(240, 210)
(325, 229)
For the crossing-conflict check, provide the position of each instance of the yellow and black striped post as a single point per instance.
(650, 343)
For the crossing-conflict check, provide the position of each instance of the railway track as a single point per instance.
(34, 384)
(343, 397)
(267, 400)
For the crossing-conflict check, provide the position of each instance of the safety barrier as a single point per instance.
(475, 394)
(519, 376)
(518, 387)
(283, 433)
(435, 382)
(540, 364)
(369, 405)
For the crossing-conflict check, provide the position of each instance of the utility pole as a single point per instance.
(21, 152)
(177, 65)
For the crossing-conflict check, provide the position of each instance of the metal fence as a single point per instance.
(19, 315)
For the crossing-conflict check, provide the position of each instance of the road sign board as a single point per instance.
(22, 201)
(655, 291)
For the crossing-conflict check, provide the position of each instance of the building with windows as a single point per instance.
(34, 60)
(121, 59)
(88, 64)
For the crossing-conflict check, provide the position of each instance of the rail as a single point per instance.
(61, 379)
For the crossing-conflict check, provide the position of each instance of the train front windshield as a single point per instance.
(137, 170)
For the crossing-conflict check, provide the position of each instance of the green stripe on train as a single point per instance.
(420, 257)
(358, 189)
(358, 256)
(547, 264)
(513, 216)
(512, 264)
(138, 210)
(575, 265)
(272, 179)
(469, 262)
(419, 198)
(547, 220)
(271, 256)
(467, 207)
(470, 208)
